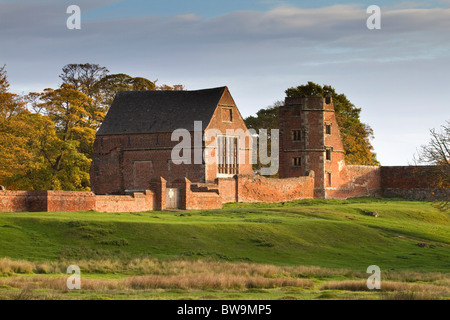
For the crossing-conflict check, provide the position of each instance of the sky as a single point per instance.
(398, 75)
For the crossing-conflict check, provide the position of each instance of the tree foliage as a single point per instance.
(355, 134)
(437, 153)
(47, 137)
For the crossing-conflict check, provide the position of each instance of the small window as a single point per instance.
(296, 161)
(295, 110)
(227, 115)
(296, 135)
(329, 178)
(328, 128)
(328, 154)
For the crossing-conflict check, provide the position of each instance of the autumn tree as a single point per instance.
(23, 136)
(13, 134)
(47, 137)
(57, 140)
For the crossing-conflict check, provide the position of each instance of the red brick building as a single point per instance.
(310, 141)
(134, 167)
(134, 144)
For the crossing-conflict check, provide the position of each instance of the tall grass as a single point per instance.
(154, 274)
(146, 266)
(394, 290)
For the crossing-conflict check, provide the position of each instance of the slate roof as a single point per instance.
(159, 111)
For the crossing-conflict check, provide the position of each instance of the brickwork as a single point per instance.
(255, 188)
(13, 201)
(357, 181)
(131, 172)
(42, 201)
(197, 198)
(128, 162)
(319, 148)
(236, 127)
(136, 202)
(411, 182)
(228, 189)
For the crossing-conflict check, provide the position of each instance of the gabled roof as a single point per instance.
(160, 111)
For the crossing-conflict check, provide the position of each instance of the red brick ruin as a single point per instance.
(133, 170)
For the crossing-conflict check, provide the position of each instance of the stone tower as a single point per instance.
(310, 140)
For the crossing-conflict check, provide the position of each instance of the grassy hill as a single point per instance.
(327, 233)
(334, 234)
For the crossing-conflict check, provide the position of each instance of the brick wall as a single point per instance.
(255, 188)
(127, 163)
(42, 201)
(195, 199)
(227, 189)
(411, 182)
(135, 202)
(355, 181)
(59, 201)
(13, 201)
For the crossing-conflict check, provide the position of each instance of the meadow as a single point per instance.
(308, 249)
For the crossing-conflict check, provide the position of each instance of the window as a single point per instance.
(328, 128)
(227, 155)
(295, 110)
(227, 114)
(329, 178)
(296, 135)
(296, 162)
(328, 154)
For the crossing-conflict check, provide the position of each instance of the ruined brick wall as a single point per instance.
(227, 189)
(356, 181)
(255, 188)
(410, 182)
(192, 198)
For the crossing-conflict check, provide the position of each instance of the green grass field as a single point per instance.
(407, 238)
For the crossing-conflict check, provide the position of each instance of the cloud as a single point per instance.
(390, 73)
